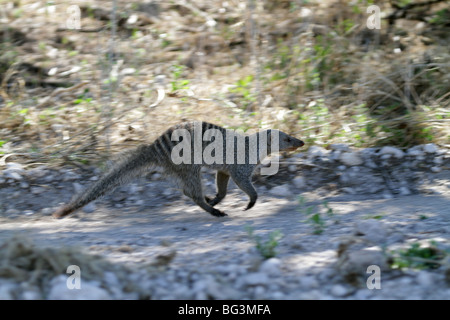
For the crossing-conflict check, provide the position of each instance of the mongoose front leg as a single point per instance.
(246, 185)
(221, 185)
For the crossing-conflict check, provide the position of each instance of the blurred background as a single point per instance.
(82, 79)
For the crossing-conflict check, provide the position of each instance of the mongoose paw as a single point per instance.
(249, 206)
(218, 213)
(211, 202)
(208, 200)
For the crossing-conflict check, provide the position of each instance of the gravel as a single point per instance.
(147, 241)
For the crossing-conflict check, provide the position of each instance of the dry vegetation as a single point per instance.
(312, 68)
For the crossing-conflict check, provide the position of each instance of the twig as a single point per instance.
(59, 91)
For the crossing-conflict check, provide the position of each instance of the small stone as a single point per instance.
(430, 148)
(339, 147)
(256, 278)
(309, 282)
(24, 185)
(37, 190)
(279, 191)
(351, 159)
(438, 160)
(339, 290)
(425, 278)
(12, 175)
(12, 212)
(7, 289)
(28, 212)
(77, 187)
(349, 190)
(435, 169)
(47, 211)
(415, 151)
(299, 182)
(392, 151)
(404, 191)
(271, 266)
(372, 230)
(88, 291)
(316, 151)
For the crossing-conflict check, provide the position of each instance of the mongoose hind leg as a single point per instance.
(192, 188)
(221, 185)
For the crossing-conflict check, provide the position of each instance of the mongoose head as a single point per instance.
(285, 141)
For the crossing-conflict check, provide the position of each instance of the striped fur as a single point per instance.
(160, 154)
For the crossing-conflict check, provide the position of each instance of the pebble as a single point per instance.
(351, 159)
(339, 290)
(87, 291)
(299, 182)
(430, 148)
(281, 277)
(281, 190)
(372, 230)
(255, 278)
(271, 266)
(392, 151)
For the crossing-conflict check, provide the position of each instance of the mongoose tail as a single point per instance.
(127, 169)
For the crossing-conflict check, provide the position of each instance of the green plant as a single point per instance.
(314, 215)
(243, 88)
(265, 248)
(2, 142)
(417, 257)
(82, 98)
(178, 83)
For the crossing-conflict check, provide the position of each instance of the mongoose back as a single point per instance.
(182, 151)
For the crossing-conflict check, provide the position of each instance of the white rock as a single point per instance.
(339, 147)
(435, 169)
(309, 282)
(438, 160)
(37, 190)
(12, 211)
(209, 287)
(24, 185)
(14, 166)
(430, 148)
(282, 190)
(47, 211)
(415, 151)
(12, 175)
(256, 278)
(392, 151)
(88, 291)
(6, 290)
(299, 182)
(404, 191)
(351, 159)
(28, 212)
(372, 230)
(316, 151)
(271, 266)
(339, 290)
(77, 187)
(426, 279)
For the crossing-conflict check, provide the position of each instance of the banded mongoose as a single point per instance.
(182, 151)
